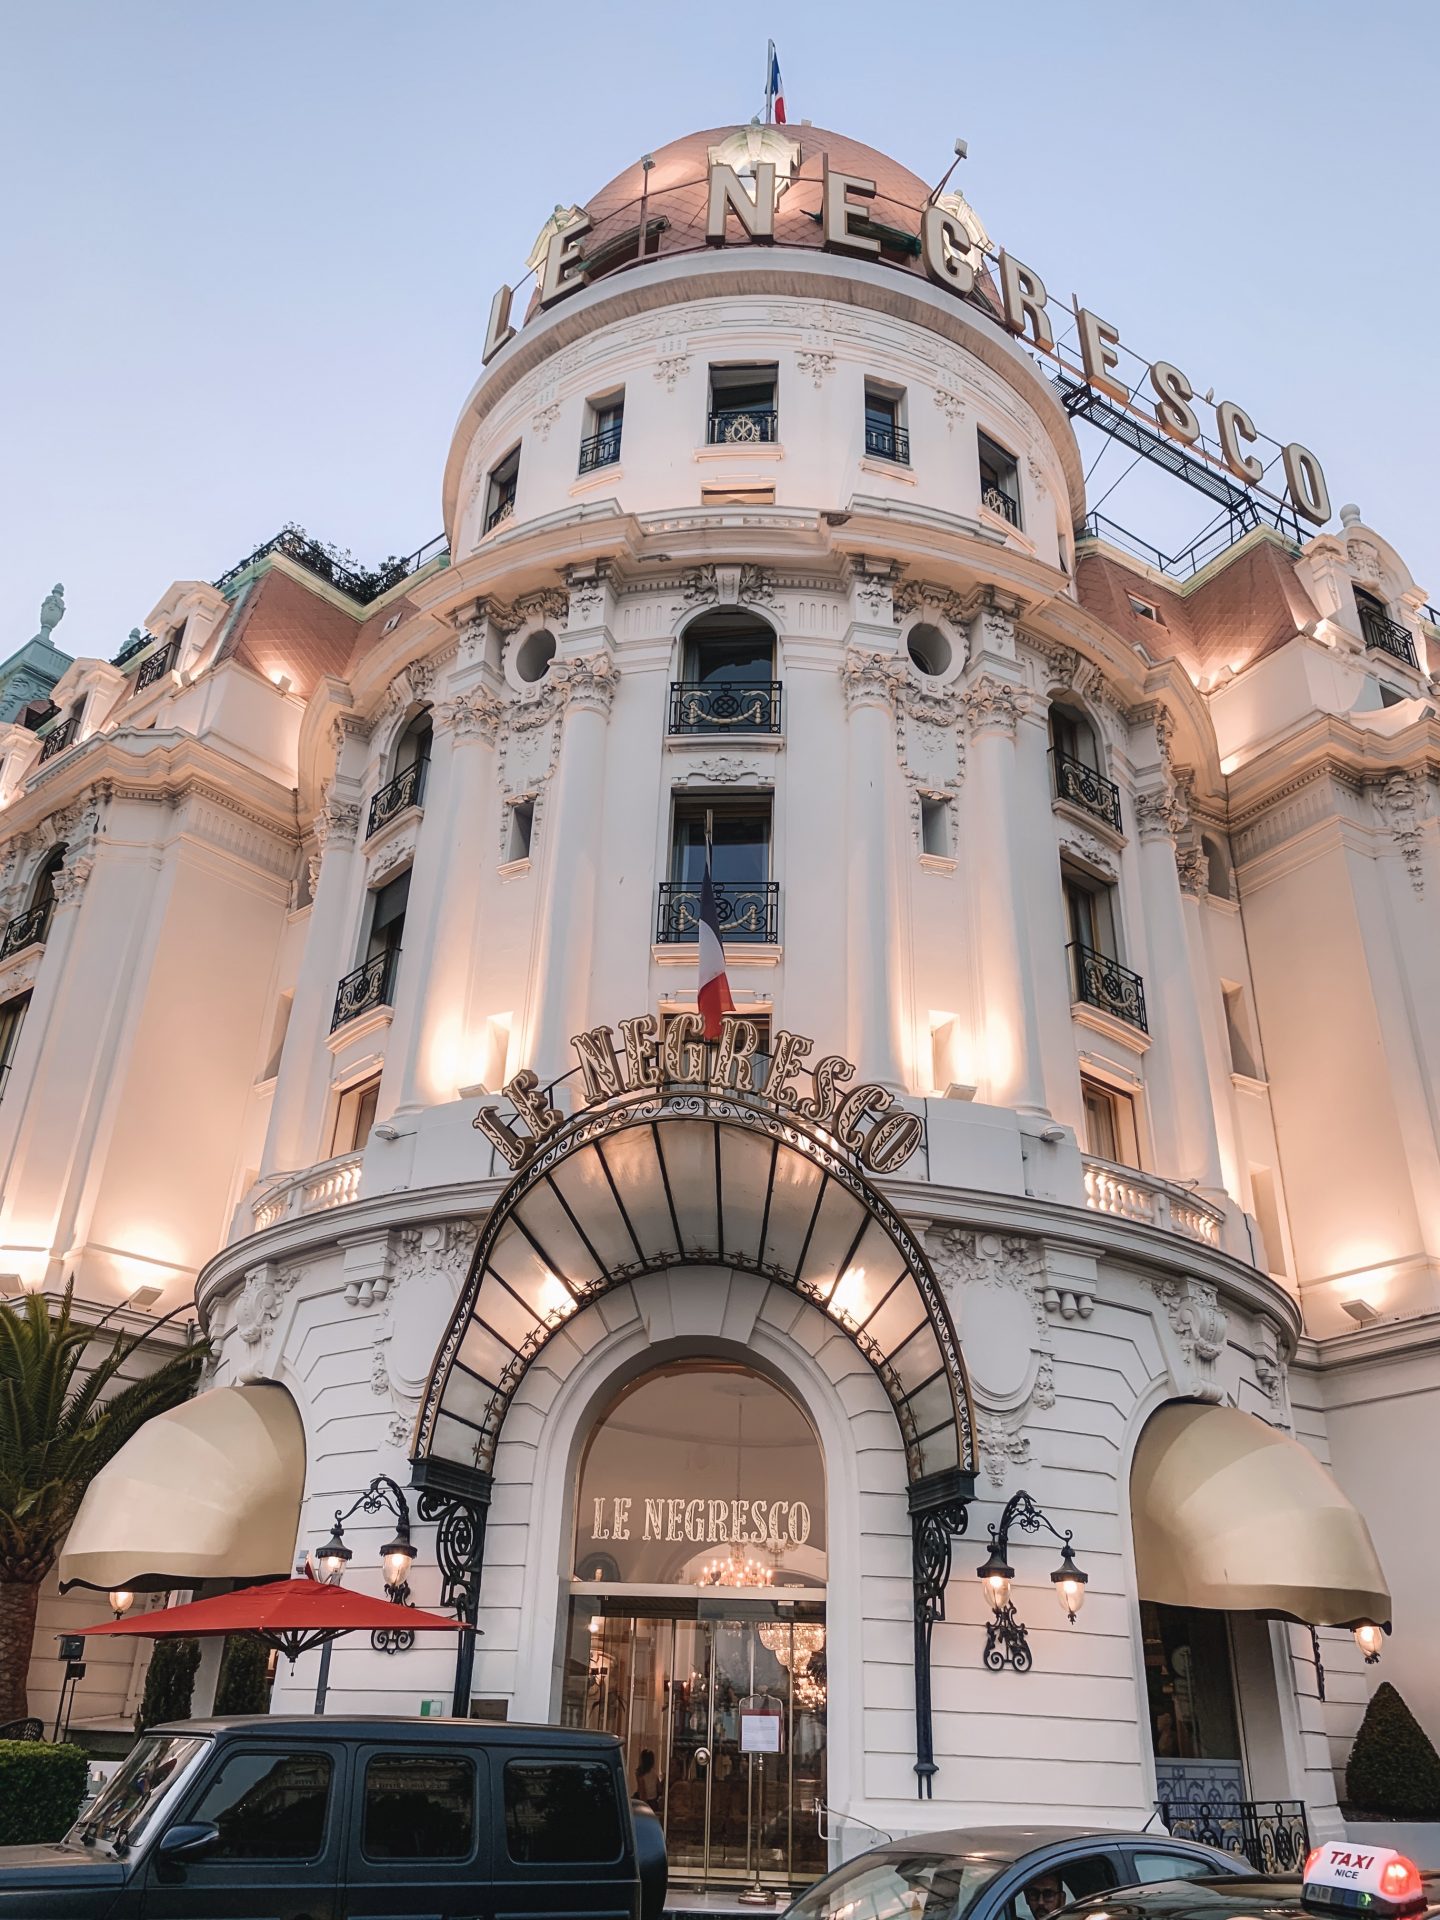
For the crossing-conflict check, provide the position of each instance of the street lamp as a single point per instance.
(397, 1556)
(1370, 1639)
(121, 1601)
(334, 1556)
(1007, 1643)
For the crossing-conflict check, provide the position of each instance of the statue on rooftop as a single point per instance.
(52, 612)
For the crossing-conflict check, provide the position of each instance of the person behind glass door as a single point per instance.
(647, 1781)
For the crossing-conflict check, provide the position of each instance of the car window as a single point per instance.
(268, 1806)
(418, 1806)
(561, 1812)
(913, 1886)
(1050, 1888)
(1153, 1865)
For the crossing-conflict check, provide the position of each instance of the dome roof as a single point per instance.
(676, 192)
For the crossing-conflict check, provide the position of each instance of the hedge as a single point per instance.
(1393, 1769)
(169, 1683)
(244, 1676)
(41, 1788)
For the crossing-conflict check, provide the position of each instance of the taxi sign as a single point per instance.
(1345, 1876)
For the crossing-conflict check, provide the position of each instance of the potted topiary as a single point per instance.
(169, 1683)
(1393, 1775)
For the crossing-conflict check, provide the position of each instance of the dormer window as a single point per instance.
(1381, 633)
(743, 405)
(999, 480)
(500, 496)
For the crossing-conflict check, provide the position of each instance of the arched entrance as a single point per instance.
(696, 1627)
(693, 1175)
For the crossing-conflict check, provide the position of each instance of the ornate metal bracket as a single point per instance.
(1007, 1644)
(383, 1495)
(1319, 1664)
(460, 1514)
(934, 1530)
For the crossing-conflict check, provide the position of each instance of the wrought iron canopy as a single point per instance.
(683, 1178)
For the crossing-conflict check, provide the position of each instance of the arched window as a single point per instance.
(42, 893)
(409, 765)
(1219, 869)
(1076, 762)
(1072, 734)
(727, 678)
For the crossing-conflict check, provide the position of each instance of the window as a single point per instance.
(1267, 1215)
(500, 496)
(406, 785)
(534, 655)
(935, 826)
(1390, 696)
(561, 1812)
(1054, 1887)
(999, 481)
(280, 1027)
(737, 496)
(12, 1018)
(418, 1807)
(1110, 1132)
(1091, 914)
(1072, 735)
(727, 677)
(1153, 1865)
(354, 1117)
(604, 425)
(1219, 870)
(1145, 609)
(268, 1806)
(885, 435)
(387, 929)
(1189, 1682)
(413, 747)
(740, 864)
(929, 650)
(522, 827)
(759, 1020)
(742, 405)
(912, 1886)
(1244, 1056)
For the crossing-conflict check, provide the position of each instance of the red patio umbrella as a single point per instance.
(290, 1615)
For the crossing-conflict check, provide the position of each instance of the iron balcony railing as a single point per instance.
(1083, 787)
(59, 738)
(25, 930)
(368, 987)
(1273, 1835)
(1102, 982)
(1005, 504)
(1387, 635)
(748, 911)
(742, 426)
(407, 789)
(888, 443)
(158, 665)
(340, 569)
(502, 510)
(137, 643)
(600, 450)
(724, 706)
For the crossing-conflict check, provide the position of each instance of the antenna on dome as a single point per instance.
(961, 149)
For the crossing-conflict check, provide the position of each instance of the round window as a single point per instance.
(930, 650)
(536, 651)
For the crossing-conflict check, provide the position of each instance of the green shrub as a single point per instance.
(169, 1683)
(1393, 1770)
(41, 1788)
(244, 1676)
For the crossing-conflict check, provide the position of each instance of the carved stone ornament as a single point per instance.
(586, 599)
(951, 405)
(1037, 475)
(1193, 866)
(1200, 1324)
(1365, 559)
(426, 1268)
(817, 363)
(76, 825)
(722, 770)
(393, 855)
(1088, 848)
(1400, 801)
(994, 705)
(871, 679)
(727, 586)
(549, 605)
(69, 883)
(930, 745)
(1001, 1445)
(932, 603)
(994, 1282)
(672, 368)
(337, 822)
(997, 630)
(874, 596)
(544, 418)
(257, 1307)
(471, 716)
(1161, 814)
(1270, 1368)
(589, 682)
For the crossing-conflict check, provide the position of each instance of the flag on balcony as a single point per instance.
(774, 90)
(713, 998)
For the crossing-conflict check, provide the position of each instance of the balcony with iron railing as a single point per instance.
(502, 510)
(742, 426)
(407, 789)
(365, 989)
(1384, 635)
(1098, 980)
(59, 738)
(1005, 504)
(884, 442)
(1086, 788)
(749, 912)
(600, 450)
(25, 930)
(724, 706)
(158, 665)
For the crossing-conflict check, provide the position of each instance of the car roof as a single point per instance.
(1013, 1843)
(385, 1726)
(1213, 1897)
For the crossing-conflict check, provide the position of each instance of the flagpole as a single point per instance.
(769, 69)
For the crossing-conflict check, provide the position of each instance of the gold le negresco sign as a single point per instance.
(863, 1120)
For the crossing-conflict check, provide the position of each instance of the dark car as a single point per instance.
(1002, 1873)
(1340, 1877)
(351, 1819)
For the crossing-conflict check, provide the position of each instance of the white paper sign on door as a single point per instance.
(759, 1732)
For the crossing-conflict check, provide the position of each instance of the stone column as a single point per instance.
(1176, 1073)
(292, 1139)
(570, 832)
(873, 671)
(431, 1054)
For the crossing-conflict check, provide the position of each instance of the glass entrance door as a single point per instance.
(723, 1721)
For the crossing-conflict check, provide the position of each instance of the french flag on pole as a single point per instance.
(774, 90)
(713, 998)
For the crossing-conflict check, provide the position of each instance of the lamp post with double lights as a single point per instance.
(1007, 1643)
(397, 1557)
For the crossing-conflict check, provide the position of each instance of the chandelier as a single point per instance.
(795, 1646)
(736, 1570)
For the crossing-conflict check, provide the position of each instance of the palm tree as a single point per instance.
(60, 1421)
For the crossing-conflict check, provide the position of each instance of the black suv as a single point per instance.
(347, 1819)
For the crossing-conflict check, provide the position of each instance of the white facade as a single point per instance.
(180, 1113)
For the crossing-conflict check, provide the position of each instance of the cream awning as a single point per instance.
(208, 1491)
(1231, 1513)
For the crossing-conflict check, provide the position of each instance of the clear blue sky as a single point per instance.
(249, 245)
